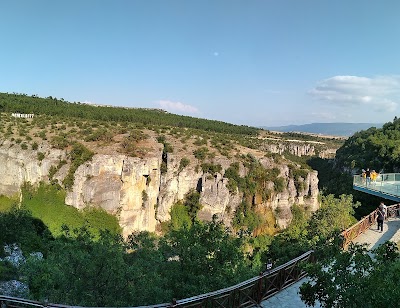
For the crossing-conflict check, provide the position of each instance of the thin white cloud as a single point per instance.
(378, 93)
(177, 107)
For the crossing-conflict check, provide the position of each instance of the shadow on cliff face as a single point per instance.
(199, 185)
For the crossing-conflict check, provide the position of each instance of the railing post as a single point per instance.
(259, 288)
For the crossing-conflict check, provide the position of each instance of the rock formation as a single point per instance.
(138, 192)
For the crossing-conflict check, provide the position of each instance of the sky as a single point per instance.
(248, 62)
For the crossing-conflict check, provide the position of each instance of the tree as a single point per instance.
(335, 214)
(203, 258)
(18, 226)
(192, 203)
(355, 278)
(81, 271)
(305, 233)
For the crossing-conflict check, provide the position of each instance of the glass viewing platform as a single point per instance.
(386, 185)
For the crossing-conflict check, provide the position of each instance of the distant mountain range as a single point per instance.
(333, 129)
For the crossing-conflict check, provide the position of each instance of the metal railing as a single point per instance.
(253, 291)
(386, 183)
(245, 294)
(365, 223)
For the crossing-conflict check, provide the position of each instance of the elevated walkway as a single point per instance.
(386, 185)
(290, 296)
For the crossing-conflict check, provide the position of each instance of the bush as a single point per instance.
(183, 163)
(78, 155)
(40, 156)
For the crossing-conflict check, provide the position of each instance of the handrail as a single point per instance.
(365, 223)
(244, 294)
(254, 290)
(386, 183)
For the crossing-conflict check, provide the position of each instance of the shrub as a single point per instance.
(183, 163)
(78, 155)
(40, 156)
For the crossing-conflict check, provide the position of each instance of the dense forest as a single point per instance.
(374, 148)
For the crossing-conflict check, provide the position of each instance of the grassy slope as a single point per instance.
(47, 204)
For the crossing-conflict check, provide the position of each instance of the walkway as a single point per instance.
(290, 298)
(386, 186)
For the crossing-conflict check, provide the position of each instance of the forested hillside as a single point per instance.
(373, 148)
(147, 117)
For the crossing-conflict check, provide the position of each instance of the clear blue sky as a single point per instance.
(259, 63)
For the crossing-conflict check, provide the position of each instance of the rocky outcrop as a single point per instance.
(299, 148)
(124, 186)
(139, 194)
(18, 166)
(216, 199)
(307, 197)
(175, 184)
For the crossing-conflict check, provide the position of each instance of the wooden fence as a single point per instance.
(248, 293)
(365, 223)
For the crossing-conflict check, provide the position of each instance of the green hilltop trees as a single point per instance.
(23, 103)
(373, 148)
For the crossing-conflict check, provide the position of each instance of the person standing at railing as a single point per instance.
(381, 217)
(374, 175)
(363, 175)
(368, 176)
(384, 208)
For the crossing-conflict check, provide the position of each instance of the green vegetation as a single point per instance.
(18, 226)
(46, 203)
(184, 162)
(354, 278)
(374, 148)
(7, 203)
(336, 182)
(58, 107)
(82, 267)
(247, 218)
(310, 231)
(179, 217)
(78, 155)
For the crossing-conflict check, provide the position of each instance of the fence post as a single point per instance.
(259, 291)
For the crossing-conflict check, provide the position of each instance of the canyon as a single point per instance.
(140, 193)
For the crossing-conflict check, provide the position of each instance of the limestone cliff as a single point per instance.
(300, 148)
(138, 192)
(18, 166)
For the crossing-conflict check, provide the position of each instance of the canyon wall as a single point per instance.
(139, 194)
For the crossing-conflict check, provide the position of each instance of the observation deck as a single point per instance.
(386, 185)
